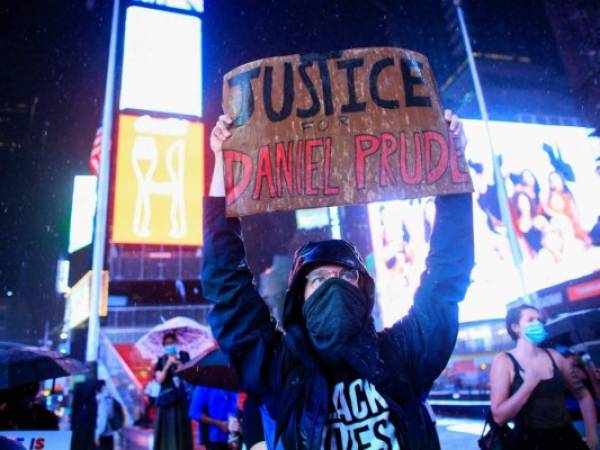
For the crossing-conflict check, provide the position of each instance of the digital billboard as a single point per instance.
(159, 181)
(162, 62)
(185, 5)
(83, 210)
(309, 219)
(552, 185)
(80, 297)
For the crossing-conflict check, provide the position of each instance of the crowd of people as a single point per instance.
(323, 377)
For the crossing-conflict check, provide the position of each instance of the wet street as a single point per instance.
(455, 434)
(458, 433)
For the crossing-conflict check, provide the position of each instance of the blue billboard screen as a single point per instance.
(552, 183)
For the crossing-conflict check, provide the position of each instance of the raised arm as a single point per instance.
(240, 320)
(427, 335)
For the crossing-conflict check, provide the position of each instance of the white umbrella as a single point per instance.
(192, 337)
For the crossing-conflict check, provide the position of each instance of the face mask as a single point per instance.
(535, 332)
(171, 350)
(334, 313)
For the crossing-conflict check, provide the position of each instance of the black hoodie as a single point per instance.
(282, 369)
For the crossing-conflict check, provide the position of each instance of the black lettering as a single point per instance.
(357, 438)
(244, 81)
(288, 93)
(353, 105)
(333, 434)
(380, 434)
(324, 75)
(410, 81)
(310, 87)
(375, 71)
(326, 85)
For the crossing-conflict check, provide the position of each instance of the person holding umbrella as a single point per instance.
(22, 368)
(173, 430)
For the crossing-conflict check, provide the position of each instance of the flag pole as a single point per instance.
(102, 194)
(498, 178)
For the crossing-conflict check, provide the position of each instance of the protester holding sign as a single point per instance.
(330, 381)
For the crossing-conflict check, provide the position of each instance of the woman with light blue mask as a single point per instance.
(528, 385)
(173, 429)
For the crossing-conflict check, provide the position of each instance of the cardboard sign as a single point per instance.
(40, 440)
(357, 126)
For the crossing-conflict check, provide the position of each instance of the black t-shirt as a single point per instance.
(359, 415)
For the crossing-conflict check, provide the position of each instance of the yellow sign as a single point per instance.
(80, 297)
(159, 181)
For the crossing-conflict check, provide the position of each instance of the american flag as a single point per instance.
(94, 162)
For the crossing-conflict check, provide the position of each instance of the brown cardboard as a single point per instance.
(337, 129)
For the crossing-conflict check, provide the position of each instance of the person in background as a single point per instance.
(214, 407)
(173, 430)
(528, 386)
(19, 411)
(104, 436)
(583, 367)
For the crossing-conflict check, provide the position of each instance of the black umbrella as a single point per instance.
(20, 365)
(574, 328)
(212, 370)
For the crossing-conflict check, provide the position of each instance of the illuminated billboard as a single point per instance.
(309, 219)
(159, 181)
(80, 297)
(162, 62)
(185, 5)
(553, 188)
(83, 210)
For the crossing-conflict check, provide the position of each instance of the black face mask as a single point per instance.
(334, 313)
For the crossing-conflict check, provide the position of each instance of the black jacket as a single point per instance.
(401, 361)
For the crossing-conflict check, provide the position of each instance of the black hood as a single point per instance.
(314, 254)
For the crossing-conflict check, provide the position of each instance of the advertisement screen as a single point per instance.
(80, 298)
(552, 181)
(159, 181)
(83, 210)
(162, 62)
(186, 5)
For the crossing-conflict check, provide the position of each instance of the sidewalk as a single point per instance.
(136, 438)
(457, 433)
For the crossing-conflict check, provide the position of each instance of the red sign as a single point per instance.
(583, 291)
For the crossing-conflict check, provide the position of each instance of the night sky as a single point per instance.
(56, 50)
